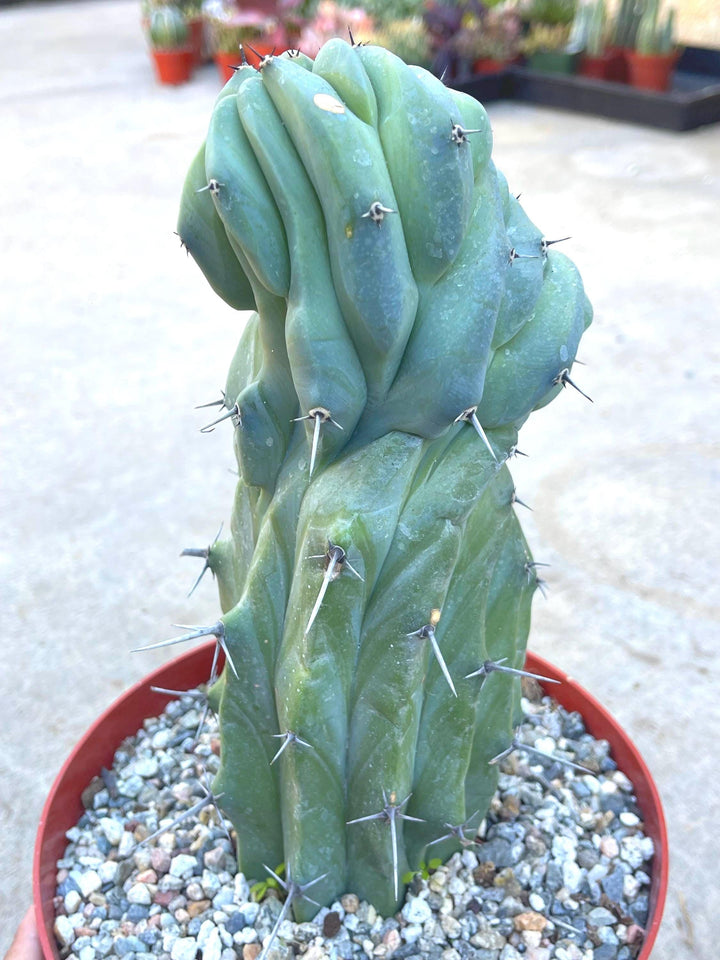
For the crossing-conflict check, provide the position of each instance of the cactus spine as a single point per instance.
(408, 318)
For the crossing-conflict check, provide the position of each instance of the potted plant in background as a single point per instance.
(330, 20)
(375, 585)
(229, 29)
(546, 48)
(652, 61)
(169, 38)
(192, 11)
(549, 13)
(595, 58)
(546, 43)
(623, 28)
(407, 38)
(489, 42)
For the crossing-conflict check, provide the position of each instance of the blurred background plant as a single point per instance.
(493, 36)
(330, 19)
(407, 37)
(229, 27)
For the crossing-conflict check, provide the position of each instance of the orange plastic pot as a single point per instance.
(652, 72)
(96, 749)
(173, 66)
(226, 62)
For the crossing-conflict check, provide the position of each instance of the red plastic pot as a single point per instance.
(488, 65)
(197, 40)
(651, 72)
(595, 67)
(173, 66)
(96, 749)
(617, 68)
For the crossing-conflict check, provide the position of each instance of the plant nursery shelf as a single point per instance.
(693, 101)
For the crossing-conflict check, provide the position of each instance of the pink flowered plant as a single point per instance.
(330, 20)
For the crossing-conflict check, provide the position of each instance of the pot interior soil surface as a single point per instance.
(570, 861)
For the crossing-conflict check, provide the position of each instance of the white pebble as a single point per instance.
(139, 893)
(204, 933)
(592, 783)
(108, 871)
(126, 846)
(183, 865)
(629, 819)
(89, 882)
(242, 888)
(564, 848)
(631, 886)
(536, 902)
(64, 931)
(246, 935)
(184, 948)
(572, 876)
(213, 947)
(250, 911)
(87, 952)
(412, 932)
(146, 767)
(161, 739)
(416, 911)
(72, 901)
(113, 830)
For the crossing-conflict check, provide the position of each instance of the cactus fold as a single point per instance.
(404, 303)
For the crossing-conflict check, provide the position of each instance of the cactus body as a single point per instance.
(404, 305)
(168, 29)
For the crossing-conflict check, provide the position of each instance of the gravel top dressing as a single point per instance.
(556, 869)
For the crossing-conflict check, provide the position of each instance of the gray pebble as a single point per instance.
(613, 885)
(606, 951)
(498, 851)
(600, 917)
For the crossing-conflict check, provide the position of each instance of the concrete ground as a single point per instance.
(110, 336)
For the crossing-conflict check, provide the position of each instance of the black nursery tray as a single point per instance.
(693, 100)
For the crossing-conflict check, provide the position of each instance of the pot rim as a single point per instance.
(123, 717)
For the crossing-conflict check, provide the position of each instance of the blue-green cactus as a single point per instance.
(375, 586)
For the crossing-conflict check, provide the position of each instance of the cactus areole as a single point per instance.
(375, 586)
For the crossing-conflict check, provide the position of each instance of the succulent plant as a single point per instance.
(549, 12)
(542, 38)
(375, 587)
(168, 28)
(625, 23)
(495, 35)
(229, 30)
(655, 35)
(407, 38)
(596, 29)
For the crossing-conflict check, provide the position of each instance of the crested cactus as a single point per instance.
(375, 587)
